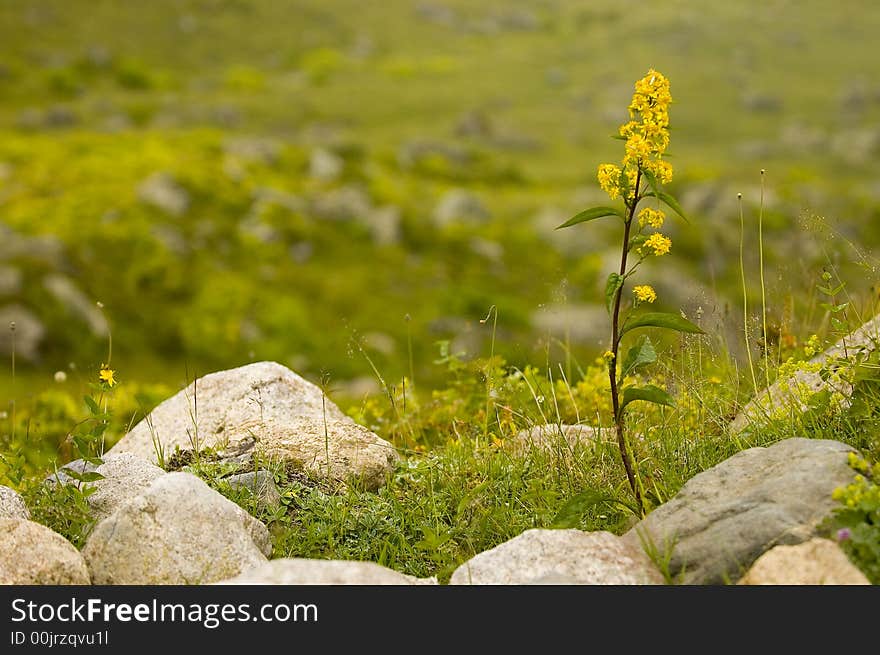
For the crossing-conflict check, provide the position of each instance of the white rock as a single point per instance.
(294, 571)
(552, 436)
(580, 557)
(12, 505)
(125, 476)
(178, 531)
(267, 408)
(815, 562)
(163, 192)
(32, 554)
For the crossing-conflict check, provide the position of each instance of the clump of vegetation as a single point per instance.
(856, 523)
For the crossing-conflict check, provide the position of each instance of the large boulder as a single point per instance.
(723, 519)
(815, 562)
(12, 505)
(790, 396)
(539, 556)
(178, 531)
(31, 554)
(266, 409)
(295, 571)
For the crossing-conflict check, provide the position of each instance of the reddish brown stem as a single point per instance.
(615, 345)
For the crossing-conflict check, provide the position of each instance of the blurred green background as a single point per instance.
(320, 182)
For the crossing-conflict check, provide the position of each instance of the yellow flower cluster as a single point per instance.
(657, 244)
(651, 217)
(646, 134)
(609, 179)
(645, 293)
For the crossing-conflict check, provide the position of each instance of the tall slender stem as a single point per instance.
(615, 345)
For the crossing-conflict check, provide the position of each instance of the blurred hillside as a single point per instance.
(313, 181)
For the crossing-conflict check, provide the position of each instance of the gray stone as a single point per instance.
(254, 149)
(815, 562)
(60, 476)
(551, 436)
(294, 571)
(10, 281)
(12, 505)
(343, 204)
(325, 165)
(724, 518)
(77, 303)
(788, 397)
(460, 205)
(261, 486)
(577, 323)
(162, 191)
(125, 476)
(267, 408)
(178, 531)
(537, 556)
(383, 224)
(32, 554)
(29, 332)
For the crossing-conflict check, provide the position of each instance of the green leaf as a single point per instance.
(672, 203)
(661, 320)
(641, 354)
(649, 393)
(615, 281)
(93, 406)
(571, 513)
(590, 215)
(652, 181)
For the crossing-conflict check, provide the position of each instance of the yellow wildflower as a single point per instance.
(609, 179)
(638, 149)
(657, 243)
(812, 346)
(652, 217)
(106, 375)
(608, 356)
(645, 293)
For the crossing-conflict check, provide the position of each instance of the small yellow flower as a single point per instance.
(609, 179)
(657, 243)
(645, 293)
(652, 217)
(608, 356)
(106, 375)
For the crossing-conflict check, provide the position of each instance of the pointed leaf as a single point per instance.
(652, 181)
(641, 354)
(673, 204)
(648, 393)
(590, 215)
(662, 320)
(615, 281)
(93, 406)
(571, 513)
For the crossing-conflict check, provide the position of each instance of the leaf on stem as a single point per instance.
(648, 393)
(661, 320)
(615, 281)
(670, 201)
(571, 513)
(641, 354)
(590, 215)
